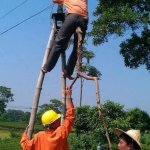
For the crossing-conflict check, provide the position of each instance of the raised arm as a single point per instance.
(69, 118)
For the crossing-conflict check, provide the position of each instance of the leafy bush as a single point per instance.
(146, 141)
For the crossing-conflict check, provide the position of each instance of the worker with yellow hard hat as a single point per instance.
(49, 117)
(54, 137)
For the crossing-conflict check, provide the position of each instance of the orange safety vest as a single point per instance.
(75, 6)
(51, 139)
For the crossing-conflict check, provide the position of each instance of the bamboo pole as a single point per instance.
(100, 112)
(82, 75)
(41, 79)
(39, 85)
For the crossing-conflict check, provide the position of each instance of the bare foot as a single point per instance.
(67, 76)
(43, 70)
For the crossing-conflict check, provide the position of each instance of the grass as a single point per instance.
(4, 134)
(18, 126)
(10, 134)
(9, 139)
(10, 144)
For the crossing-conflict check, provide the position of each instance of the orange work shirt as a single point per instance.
(75, 6)
(51, 139)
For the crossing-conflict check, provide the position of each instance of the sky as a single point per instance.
(22, 50)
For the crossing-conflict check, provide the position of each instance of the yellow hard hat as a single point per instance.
(49, 117)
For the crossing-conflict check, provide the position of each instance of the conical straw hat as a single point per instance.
(133, 134)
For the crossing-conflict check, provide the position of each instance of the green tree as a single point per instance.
(138, 119)
(117, 109)
(115, 116)
(88, 123)
(88, 130)
(91, 71)
(54, 104)
(145, 140)
(86, 141)
(115, 17)
(5, 97)
(87, 55)
(12, 115)
(82, 119)
(136, 50)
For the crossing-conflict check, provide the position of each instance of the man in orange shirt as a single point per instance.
(55, 135)
(77, 16)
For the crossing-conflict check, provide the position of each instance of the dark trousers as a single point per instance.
(72, 21)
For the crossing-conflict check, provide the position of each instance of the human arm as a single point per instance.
(68, 124)
(25, 142)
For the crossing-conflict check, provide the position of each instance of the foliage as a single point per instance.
(91, 71)
(136, 50)
(10, 143)
(85, 141)
(145, 140)
(11, 115)
(82, 119)
(115, 119)
(138, 119)
(4, 134)
(88, 55)
(54, 104)
(115, 17)
(11, 140)
(88, 130)
(117, 109)
(5, 97)
(86, 67)
(87, 121)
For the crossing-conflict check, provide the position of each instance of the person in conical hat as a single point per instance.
(129, 140)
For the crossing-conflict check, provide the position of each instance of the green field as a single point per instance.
(9, 140)
(4, 134)
(10, 134)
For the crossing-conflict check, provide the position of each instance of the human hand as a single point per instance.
(68, 92)
(26, 130)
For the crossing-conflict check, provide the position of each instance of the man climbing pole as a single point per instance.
(76, 16)
(55, 135)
